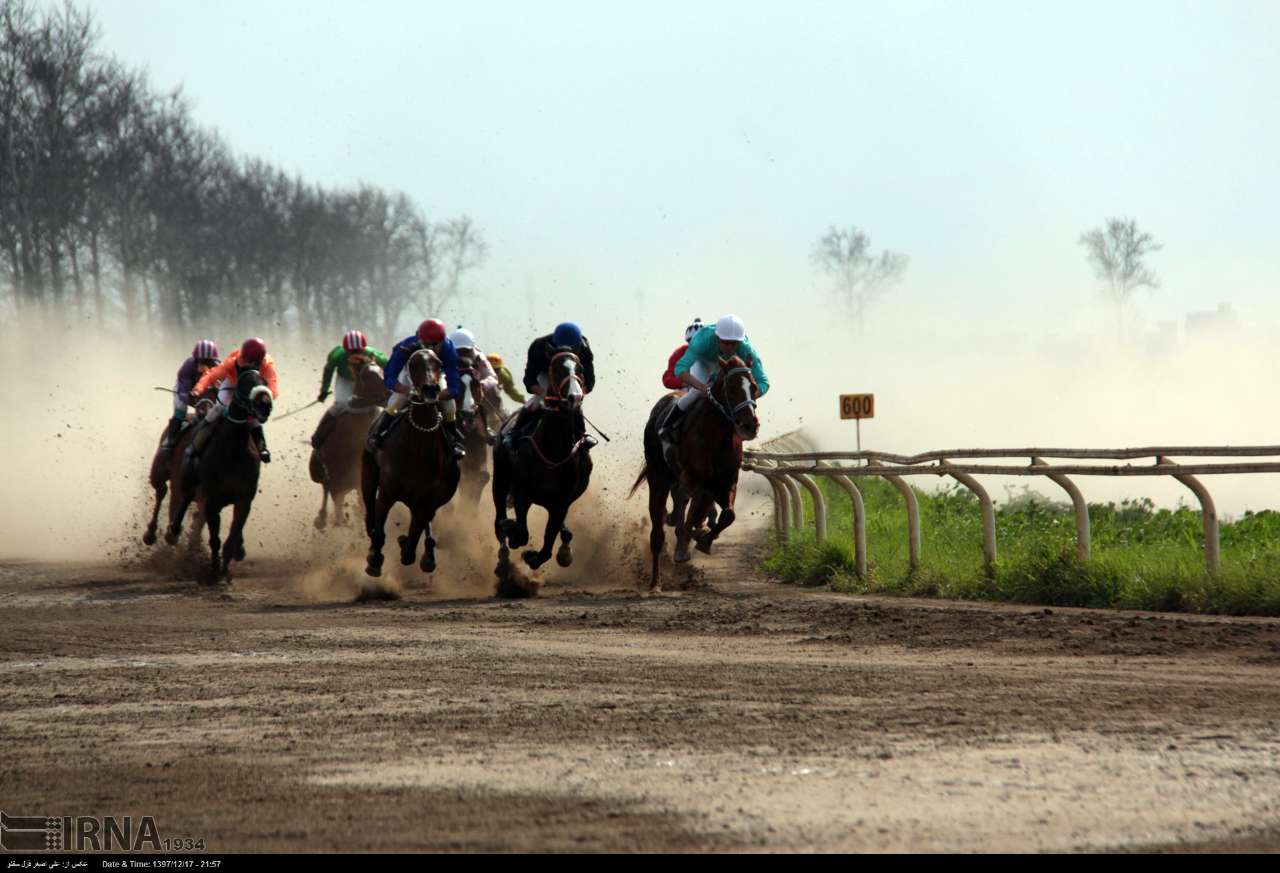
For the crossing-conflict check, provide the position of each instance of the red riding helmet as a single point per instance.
(431, 331)
(253, 351)
(354, 341)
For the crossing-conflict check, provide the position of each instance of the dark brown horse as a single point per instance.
(335, 465)
(226, 473)
(702, 469)
(473, 421)
(413, 467)
(165, 466)
(549, 466)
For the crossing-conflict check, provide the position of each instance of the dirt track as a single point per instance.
(738, 715)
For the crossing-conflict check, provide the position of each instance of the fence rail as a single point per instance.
(789, 471)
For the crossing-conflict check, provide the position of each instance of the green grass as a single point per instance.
(1142, 557)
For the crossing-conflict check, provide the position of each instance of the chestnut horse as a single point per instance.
(226, 473)
(165, 466)
(703, 467)
(549, 466)
(473, 421)
(413, 467)
(335, 465)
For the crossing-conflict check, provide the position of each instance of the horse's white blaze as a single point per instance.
(468, 402)
(575, 384)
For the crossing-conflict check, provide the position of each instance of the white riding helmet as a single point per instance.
(463, 339)
(692, 329)
(731, 329)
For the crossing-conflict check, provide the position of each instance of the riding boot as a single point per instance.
(171, 435)
(670, 430)
(384, 425)
(456, 439)
(260, 440)
(324, 427)
(580, 429)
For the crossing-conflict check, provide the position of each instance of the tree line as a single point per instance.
(116, 205)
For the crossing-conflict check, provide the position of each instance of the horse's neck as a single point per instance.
(556, 426)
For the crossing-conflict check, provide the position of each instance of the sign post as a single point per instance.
(857, 407)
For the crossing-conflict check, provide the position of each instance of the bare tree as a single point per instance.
(859, 275)
(1117, 253)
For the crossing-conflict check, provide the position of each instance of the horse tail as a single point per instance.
(644, 472)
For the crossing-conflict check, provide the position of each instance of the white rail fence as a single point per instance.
(789, 471)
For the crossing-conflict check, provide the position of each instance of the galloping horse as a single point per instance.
(226, 473)
(549, 467)
(335, 465)
(414, 467)
(703, 469)
(473, 420)
(165, 466)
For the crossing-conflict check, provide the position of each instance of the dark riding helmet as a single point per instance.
(253, 351)
(567, 335)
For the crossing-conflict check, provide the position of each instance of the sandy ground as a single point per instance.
(738, 714)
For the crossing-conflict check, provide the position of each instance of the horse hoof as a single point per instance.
(670, 519)
(704, 546)
(564, 556)
(171, 538)
(682, 557)
(372, 569)
(427, 565)
(518, 539)
(319, 522)
(532, 558)
(149, 538)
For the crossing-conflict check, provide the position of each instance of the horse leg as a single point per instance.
(658, 490)
(518, 530)
(177, 512)
(149, 538)
(234, 548)
(564, 554)
(409, 541)
(377, 534)
(428, 563)
(322, 517)
(213, 519)
(727, 517)
(697, 510)
(501, 524)
(555, 521)
(679, 503)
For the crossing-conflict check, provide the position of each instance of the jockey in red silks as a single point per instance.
(203, 358)
(252, 355)
(669, 378)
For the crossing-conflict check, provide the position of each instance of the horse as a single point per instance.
(703, 467)
(166, 465)
(549, 466)
(226, 473)
(413, 467)
(473, 421)
(335, 465)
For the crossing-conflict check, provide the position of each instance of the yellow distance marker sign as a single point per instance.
(857, 406)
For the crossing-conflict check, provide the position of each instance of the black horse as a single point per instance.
(550, 466)
(226, 473)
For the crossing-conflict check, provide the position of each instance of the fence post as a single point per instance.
(1207, 510)
(859, 525)
(913, 519)
(988, 513)
(819, 506)
(780, 508)
(1077, 501)
(797, 505)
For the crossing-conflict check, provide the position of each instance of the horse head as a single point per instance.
(369, 386)
(424, 374)
(735, 390)
(565, 381)
(253, 395)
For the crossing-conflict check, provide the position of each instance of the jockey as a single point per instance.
(470, 356)
(343, 363)
(700, 365)
(203, 357)
(669, 378)
(505, 379)
(430, 336)
(252, 355)
(567, 337)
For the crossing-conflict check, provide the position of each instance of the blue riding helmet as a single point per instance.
(567, 335)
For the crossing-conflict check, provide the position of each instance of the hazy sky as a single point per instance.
(693, 151)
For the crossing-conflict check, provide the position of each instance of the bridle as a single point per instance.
(558, 390)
